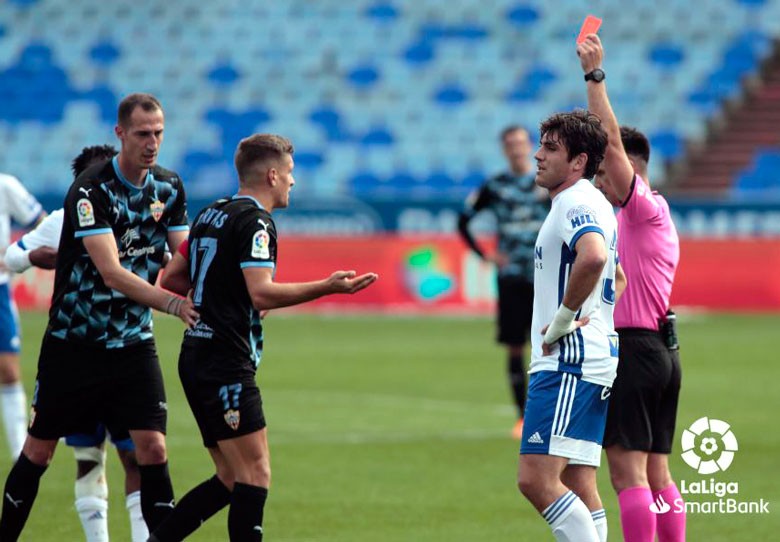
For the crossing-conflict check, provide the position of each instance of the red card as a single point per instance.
(591, 25)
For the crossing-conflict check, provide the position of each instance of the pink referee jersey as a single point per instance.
(649, 250)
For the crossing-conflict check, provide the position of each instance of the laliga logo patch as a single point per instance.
(260, 243)
(233, 418)
(157, 207)
(32, 417)
(85, 212)
(709, 445)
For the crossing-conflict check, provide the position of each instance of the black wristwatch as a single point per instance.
(597, 75)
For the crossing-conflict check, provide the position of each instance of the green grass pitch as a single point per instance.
(396, 429)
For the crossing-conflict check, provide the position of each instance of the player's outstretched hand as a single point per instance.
(348, 282)
(591, 53)
(547, 348)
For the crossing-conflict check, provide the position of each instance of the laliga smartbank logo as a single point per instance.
(708, 447)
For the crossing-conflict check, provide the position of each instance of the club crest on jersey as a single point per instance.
(85, 212)
(581, 215)
(233, 418)
(157, 207)
(260, 243)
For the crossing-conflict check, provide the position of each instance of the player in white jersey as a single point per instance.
(574, 345)
(38, 248)
(18, 204)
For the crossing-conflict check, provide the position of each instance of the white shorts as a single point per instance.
(565, 416)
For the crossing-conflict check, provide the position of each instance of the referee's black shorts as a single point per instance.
(80, 385)
(643, 403)
(515, 309)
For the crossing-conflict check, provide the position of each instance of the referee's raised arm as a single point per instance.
(616, 173)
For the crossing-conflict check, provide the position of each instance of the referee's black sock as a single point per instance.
(245, 519)
(21, 487)
(194, 508)
(516, 370)
(157, 500)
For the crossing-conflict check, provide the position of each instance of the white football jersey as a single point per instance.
(18, 204)
(45, 234)
(590, 351)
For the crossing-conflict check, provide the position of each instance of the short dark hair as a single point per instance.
(579, 131)
(147, 102)
(512, 128)
(635, 142)
(91, 155)
(260, 148)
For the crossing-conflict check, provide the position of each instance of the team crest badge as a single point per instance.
(85, 212)
(233, 418)
(260, 243)
(157, 207)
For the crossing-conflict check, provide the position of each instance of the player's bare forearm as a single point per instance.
(43, 257)
(102, 251)
(267, 294)
(586, 271)
(175, 238)
(621, 281)
(616, 163)
(278, 295)
(175, 277)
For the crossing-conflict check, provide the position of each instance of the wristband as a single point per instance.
(562, 324)
(173, 306)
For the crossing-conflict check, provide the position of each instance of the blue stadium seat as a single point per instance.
(668, 144)
(104, 53)
(523, 15)
(382, 11)
(363, 77)
(450, 94)
(377, 136)
(667, 55)
(223, 74)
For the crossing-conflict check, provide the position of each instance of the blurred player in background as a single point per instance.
(574, 346)
(232, 261)
(519, 207)
(98, 360)
(17, 204)
(39, 248)
(643, 406)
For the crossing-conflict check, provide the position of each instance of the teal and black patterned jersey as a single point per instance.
(102, 201)
(520, 208)
(228, 236)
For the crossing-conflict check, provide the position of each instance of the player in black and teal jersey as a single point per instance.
(519, 208)
(98, 361)
(233, 251)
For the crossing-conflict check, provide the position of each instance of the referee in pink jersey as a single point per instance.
(643, 405)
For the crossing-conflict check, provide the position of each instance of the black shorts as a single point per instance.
(515, 309)
(643, 404)
(222, 393)
(79, 385)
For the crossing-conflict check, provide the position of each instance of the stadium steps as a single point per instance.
(748, 127)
